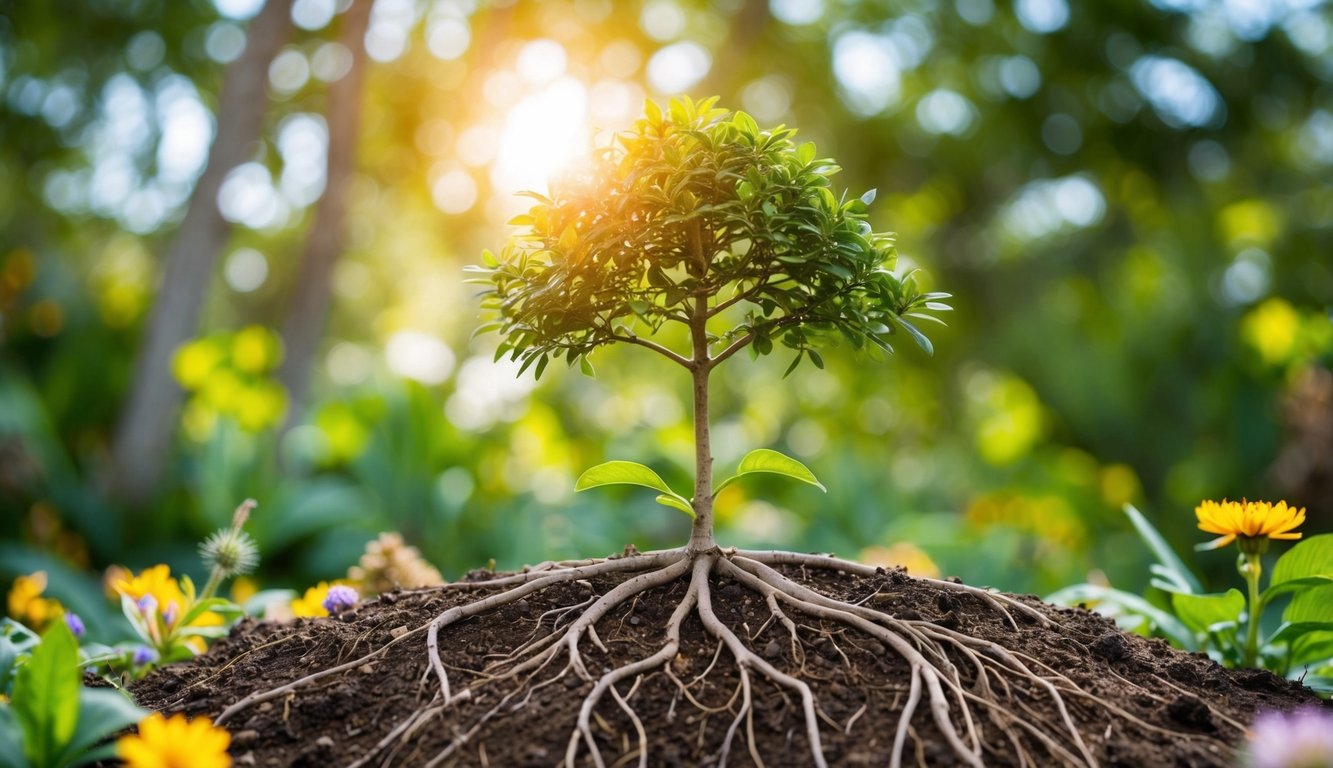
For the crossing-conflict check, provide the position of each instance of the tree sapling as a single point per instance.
(699, 220)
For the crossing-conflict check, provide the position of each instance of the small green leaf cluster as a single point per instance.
(696, 210)
(1299, 640)
(762, 460)
(51, 720)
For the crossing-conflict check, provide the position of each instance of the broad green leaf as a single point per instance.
(11, 741)
(675, 502)
(46, 695)
(773, 462)
(102, 713)
(1118, 604)
(585, 366)
(1308, 564)
(806, 153)
(1312, 604)
(1310, 648)
(868, 197)
(1290, 631)
(1179, 573)
(627, 473)
(1202, 613)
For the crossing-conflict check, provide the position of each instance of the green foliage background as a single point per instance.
(1130, 201)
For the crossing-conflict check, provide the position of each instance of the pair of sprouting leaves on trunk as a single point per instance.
(762, 460)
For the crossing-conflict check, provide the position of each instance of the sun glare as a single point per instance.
(544, 132)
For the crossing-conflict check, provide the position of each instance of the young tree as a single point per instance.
(698, 218)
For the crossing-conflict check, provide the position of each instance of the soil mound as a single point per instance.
(1133, 701)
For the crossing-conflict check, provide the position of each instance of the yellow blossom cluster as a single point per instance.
(26, 604)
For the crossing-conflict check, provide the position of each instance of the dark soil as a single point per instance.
(1186, 710)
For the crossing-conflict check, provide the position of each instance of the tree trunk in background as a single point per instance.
(312, 293)
(147, 430)
(746, 26)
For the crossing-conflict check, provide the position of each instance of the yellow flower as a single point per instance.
(175, 743)
(155, 581)
(1248, 520)
(26, 589)
(311, 604)
(27, 605)
(242, 589)
(903, 553)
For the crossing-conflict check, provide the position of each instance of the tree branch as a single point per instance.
(654, 346)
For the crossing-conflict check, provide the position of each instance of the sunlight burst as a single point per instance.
(544, 132)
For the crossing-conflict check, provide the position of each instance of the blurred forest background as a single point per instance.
(232, 237)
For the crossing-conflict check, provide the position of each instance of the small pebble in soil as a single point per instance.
(398, 632)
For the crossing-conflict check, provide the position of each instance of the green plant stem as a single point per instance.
(214, 581)
(1251, 569)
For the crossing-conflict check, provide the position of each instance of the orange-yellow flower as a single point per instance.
(1248, 520)
(311, 604)
(155, 581)
(175, 743)
(27, 605)
(166, 591)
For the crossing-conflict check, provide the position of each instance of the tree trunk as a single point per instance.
(747, 25)
(147, 430)
(312, 292)
(701, 535)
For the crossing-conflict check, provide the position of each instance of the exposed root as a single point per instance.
(962, 686)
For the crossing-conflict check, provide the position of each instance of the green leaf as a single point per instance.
(806, 153)
(627, 473)
(772, 462)
(917, 335)
(1308, 564)
(1290, 631)
(1175, 570)
(746, 123)
(676, 502)
(46, 695)
(102, 713)
(11, 741)
(868, 197)
(1314, 604)
(1121, 605)
(586, 367)
(1203, 612)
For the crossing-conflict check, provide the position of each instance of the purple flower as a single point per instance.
(147, 604)
(1299, 739)
(144, 655)
(75, 624)
(170, 614)
(340, 599)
